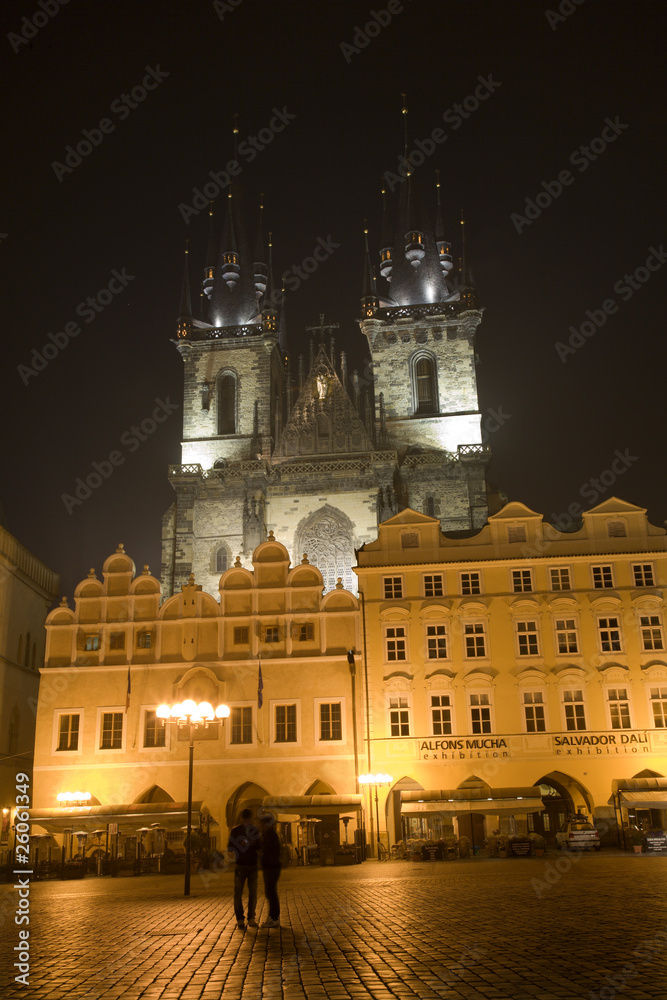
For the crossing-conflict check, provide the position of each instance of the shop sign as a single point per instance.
(463, 749)
(598, 744)
(656, 842)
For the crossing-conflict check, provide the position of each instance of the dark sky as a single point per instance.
(555, 83)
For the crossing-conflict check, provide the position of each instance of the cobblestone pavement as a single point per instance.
(548, 928)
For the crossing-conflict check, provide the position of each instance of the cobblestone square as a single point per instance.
(550, 928)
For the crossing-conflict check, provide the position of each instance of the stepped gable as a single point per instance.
(324, 420)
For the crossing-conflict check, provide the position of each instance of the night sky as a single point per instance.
(553, 81)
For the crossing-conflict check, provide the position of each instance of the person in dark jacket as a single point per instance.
(271, 850)
(244, 844)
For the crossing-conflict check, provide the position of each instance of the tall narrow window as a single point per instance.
(221, 559)
(111, 734)
(575, 716)
(226, 404)
(480, 713)
(331, 721)
(241, 724)
(533, 712)
(424, 375)
(441, 715)
(619, 708)
(285, 723)
(68, 732)
(154, 730)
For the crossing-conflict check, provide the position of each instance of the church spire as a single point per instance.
(259, 264)
(269, 311)
(184, 325)
(209, 269)
(443, 245)
(369, 299)
(468, 292)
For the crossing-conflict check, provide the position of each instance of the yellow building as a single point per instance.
(517, 675)
(120, 653)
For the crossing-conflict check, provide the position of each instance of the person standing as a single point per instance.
(271, 850)
(244, 844)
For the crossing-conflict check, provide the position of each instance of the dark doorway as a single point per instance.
(471, 825)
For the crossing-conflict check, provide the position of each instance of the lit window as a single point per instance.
(154, 730)
(619, 708)
(566, 635)
(68, 732)
(527, 638)
(433, 585)
(560, 578)
(396, 643)
(331, 721)
(441, 715)
(659, 706)
(470, 584)
(480, 713)
(602, 577)
(533, 712)
(436, 642)
(643, 574)
(399, 716)
(475, 639)
(610, 634)
(393, 587)
(522, 581)
(111, 737)
(241, 724)
(575, 716)
(285, 723)
(651, 630)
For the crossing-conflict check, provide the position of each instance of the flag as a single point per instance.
(129, 688)
(260, 687)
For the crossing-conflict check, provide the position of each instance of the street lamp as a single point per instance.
(374, 781)
(188, 714)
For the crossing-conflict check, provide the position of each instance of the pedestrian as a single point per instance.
(271, 848)
(244, 844)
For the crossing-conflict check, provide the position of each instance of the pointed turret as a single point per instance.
(369, 299)
(269, 311)
(233, 298)
(259, 263)
(468, 291)
(209, 270)
(387, 251)
(443, 245)
(184, 325)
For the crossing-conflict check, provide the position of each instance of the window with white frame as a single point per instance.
(522, 581)
(441, 715)
(155, 730)
(659, 707)
(575, 712)
(616, 529)
(331, 721)
(399, 715)
(603, 578)
(395, 643)
(474, 635)
(284, 722)
(527, 638)
(436, 642)
(642, 574)
(393, 587)
(111, 731)
(609, 630)
(651, 632)
(471, 583)
(68, 731)
(480, 712)
(240, 724)
(559, 577)
(433, 585)
(533, 712)
(516, 533)
(567, 640)
(619, 708)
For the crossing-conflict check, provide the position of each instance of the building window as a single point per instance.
(396, 643)
(441, 715)
(602, 577)
(331, 721)
(643, 574)
(68, 732)
(527, 638)
(480, 713)
(144, 640)
(436, 642)
(610, 634)
(410, 540)
(111, 737)
(226, 404)
(619, 708)
(566, 635)
(221, 558)
(241, 724)
(431, 507)
(651, 629)
(471, 584)
(306, 632)
(575, 716)
(425, 385)
(433, 585)
(241, 635)
(516, 533)
(285, 723)
(393, 587)
(616, 529)
(560, 578)
(271, 633)
(117, 640)
(399, 715)
(475, 639)
(659, 706)
(533, 712)
(154, 730)
(92, 642)
(522, 581)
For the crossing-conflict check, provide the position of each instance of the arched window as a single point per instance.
(424, 383)
(221, 560)
(227, 403)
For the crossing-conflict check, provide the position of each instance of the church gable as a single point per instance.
(324, 420)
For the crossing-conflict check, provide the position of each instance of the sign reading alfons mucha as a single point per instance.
(629, 742)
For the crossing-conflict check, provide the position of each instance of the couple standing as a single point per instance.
(245, 841)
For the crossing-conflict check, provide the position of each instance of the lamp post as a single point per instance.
(188, 714)
(374, 781)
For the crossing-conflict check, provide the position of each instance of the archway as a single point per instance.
(247, 796)
(562, 796)
(400, 826)
(155, 794)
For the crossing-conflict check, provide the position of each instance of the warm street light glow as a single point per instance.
(375, 779)
(73, 796)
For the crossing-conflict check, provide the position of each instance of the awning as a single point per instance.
(129, 816)
(514, 801)
(313, 805)
(645, 800)
(640, 793)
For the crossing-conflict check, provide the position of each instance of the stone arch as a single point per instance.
(247, 796)
(327, 535)
(424, 379)
(155, 794)
(562, 796)
(397, 824)
(227, 398)
(319, 787)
